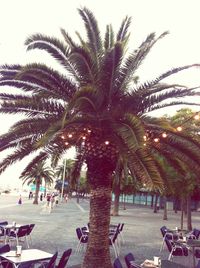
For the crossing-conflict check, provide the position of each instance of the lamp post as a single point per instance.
(63, 179)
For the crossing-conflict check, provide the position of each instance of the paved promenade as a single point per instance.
(55, 231)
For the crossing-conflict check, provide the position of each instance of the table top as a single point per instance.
(28, 255)
(149, 264)
(10, 226)
(170, 264)
(164, 264)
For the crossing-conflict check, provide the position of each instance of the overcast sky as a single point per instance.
(21, 18)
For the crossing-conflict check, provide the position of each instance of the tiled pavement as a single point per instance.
(55, 231)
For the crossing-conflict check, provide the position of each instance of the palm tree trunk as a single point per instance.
(165, 208)
(115, 211)
(182, 212)
(156, 204)
(35, 201)
(152, 200)
(189, 214)
(98, 252)
(124, 201)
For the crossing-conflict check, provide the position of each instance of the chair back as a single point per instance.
(121, 227)
(128, 259)
(114, 237)
(4, 248)
(3, 223)
(117, 263)
(52, 261)
(163, 230)
(31, 226)
(79, 233)
(64, 259)
(196, 233)
(82, 237)
(168, 243)
(23, 230)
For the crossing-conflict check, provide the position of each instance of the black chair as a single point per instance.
(20, 232)
(175, 249)
(3, 262)
(113, 243)
(64, 259)
(51, 263)
(167, 234)
(128, 259)
(194, 234)
(117, 263)
(82, 239)
(31, 226)
(3, 223)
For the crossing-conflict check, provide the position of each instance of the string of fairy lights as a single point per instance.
(179, 128)
(85, 135)
(67, 138)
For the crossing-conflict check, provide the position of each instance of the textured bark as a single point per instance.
(156, 204)
(165, 208)
(182, 212)
(152, 200)
(35, 202)
(98, 251)
(189, 214)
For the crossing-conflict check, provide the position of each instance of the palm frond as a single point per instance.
(122, 33)
(93, 33)
(55, 48)
(109, 37)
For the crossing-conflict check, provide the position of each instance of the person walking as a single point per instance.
(41, 196)
(20, 200)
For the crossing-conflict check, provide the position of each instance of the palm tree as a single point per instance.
(35, 173)
(95, 106)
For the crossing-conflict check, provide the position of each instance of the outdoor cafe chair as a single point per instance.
(64, 259)
(20, 232)
(82, 239)
(194, 234)
(5, 248)
(31, 226)
(128, 259)
(113, 243)
(167, 234)
(117, 263)
(51, 263)
(175, 249)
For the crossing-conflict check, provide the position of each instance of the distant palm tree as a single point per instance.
(96, 106)
(35, 173)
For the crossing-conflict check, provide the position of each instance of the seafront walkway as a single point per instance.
(55, 231)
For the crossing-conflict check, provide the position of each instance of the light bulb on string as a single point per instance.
(66, 143)
(107, 142)
(63, 137)
(156, 139)
(179, 128)
(196, 117)
(164, 135)
(70, 135)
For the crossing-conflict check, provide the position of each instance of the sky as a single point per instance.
(22, 18)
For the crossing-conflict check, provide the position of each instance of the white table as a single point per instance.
(28, 255)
